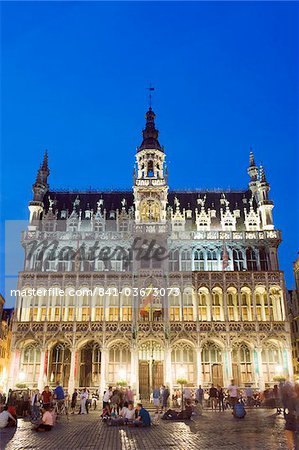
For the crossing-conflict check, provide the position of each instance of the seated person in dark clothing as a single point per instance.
(186, 414)
(143, 418)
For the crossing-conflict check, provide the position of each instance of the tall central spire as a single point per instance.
(150, 133)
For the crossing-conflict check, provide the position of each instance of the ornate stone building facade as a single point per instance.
(293, 303)
(5, 343)
(207, 303)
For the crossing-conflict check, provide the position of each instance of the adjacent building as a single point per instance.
(151, 285)
(293, 303)
(5, 343)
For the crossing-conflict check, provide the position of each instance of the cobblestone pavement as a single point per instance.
(261, 429)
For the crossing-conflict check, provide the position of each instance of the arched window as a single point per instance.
(126, 305)
(217, 306)
(174, 261)
(212, 262)
(242, 365)
(99, 304)
(113, 304)
(174, 303)
(203, 306)
(232, 306)
(188, 305)
(183, 363)
(246, 306)
(258, 302)
(119, 368)
(238, 260)
(263, 259)
(212, 364)
(251, 259)
(185, 260)
(30, 363)
(60, 364)
(199, 260)
(271, 358)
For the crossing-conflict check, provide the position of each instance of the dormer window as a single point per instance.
(98, 227)
(73, 226)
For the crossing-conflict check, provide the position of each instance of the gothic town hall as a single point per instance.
(206, 303)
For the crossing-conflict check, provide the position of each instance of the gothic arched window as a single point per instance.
(199, 260)
(251, 259)
(238, 260)
(263, 259)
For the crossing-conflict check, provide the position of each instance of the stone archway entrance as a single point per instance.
(151, 368)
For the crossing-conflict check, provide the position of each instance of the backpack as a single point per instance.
(239, 411)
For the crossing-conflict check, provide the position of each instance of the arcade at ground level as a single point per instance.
(150, 363)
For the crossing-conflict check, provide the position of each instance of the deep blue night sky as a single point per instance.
(74, 79)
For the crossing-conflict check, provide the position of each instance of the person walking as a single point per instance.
(213, 393)
(74, 401)
(233, 393)
(165, 396)
(83, 399)
(35, 405)
(156, 398)
(220, 395)
(199, 395)
(106, 397)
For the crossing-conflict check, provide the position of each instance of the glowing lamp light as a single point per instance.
(279, 369)
(22, 376)
(122, 374)
(181, 372)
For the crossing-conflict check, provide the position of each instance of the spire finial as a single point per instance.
(251, 158)
(45, 161)
(150, 90)
(262, 174)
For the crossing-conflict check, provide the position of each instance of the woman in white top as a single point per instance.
(83, 398)
(128, 413)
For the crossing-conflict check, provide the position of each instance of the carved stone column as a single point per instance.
(73, 370)
(104, 370)
(198, 366)
(134, 381)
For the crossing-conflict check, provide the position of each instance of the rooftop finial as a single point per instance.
(150, 90)
(262, 174)
(251, 158)
(45, 161)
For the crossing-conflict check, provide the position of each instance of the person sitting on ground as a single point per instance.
(143, 418)
(106, 413)
(12, 410)
(127, 415)
(47, 420)
(186, 414)
(6, 418)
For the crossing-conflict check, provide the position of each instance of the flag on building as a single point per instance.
(224, 258)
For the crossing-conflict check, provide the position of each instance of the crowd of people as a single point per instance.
(118, 404)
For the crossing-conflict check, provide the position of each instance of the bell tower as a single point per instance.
(150, 176)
